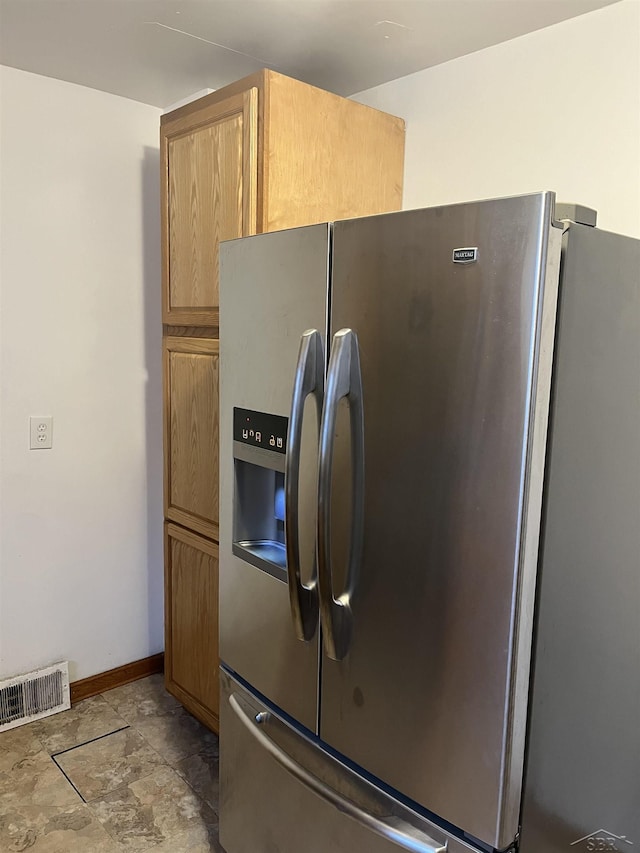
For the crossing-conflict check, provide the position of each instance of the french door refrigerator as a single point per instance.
(430, 479)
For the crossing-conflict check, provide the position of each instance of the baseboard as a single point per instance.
(103, 681)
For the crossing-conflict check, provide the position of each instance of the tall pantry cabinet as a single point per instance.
(265, 153)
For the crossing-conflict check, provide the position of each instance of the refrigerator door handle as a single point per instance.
(344, 379)
(385, 824)
(309, 379)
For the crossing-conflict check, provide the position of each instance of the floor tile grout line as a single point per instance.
(68, 780)
(104, 825)
(125, 785)
(207, 813)
(92, 803)
(54, 755)
(200, 797)
(170, 762)
(197, 793)
(185, 757)
(163, 759)
(114, 707)
(162, 762)
(136, 722)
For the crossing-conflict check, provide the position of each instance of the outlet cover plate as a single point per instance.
(40, 432)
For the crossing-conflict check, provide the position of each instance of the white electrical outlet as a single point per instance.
(40, 432)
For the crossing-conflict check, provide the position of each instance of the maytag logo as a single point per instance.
(465, 256)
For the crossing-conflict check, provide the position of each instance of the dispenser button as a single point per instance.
(279, 442)
(245, 433)
(272, 441)
(259, 436)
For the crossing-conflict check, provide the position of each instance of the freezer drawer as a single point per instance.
(281, 793)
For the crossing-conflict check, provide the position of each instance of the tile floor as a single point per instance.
(128, 770)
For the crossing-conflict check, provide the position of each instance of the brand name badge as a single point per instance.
(465, 256)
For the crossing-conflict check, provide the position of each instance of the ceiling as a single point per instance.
(160, 51)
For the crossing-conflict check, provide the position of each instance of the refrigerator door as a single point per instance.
(273, 292)
(447, 315)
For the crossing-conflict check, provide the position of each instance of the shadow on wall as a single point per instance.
(153, 397)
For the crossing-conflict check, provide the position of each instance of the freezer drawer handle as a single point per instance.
(391, 827)
(343, 380)
(309, 379)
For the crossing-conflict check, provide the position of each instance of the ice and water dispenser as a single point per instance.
(259, 448)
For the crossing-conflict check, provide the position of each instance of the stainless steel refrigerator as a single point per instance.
(430, 534)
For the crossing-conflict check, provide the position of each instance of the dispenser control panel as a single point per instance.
(260, 429)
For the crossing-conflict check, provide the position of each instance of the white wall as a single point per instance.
(80, 332)
(557, 109)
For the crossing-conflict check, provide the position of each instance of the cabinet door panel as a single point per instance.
(205, 206)
(191, 433)
(211, 173)
(191, 623)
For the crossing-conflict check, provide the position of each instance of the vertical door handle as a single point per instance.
(309, 379)
(344, 379)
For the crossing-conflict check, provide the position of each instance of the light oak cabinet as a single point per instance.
(191, 432)
(263, 154)
(191, 622)
(209, 192)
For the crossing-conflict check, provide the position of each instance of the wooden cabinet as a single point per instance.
(265, 153)
(324, 157)
(191, 622)
(209, 195)
(191, 432)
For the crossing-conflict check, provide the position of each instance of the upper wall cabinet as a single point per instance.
(211, 181)
(265, 153)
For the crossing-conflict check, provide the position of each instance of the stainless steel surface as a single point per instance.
(343, 381)
(309, 380)
(272, 288)
(515, 732)
(265, 554)
(426, 698)
(259, 456)
(293, 797)
(392, 830)
(583, 766)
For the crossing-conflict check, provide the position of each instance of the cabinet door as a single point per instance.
(191, 622)
(209, 194)
(191, 433)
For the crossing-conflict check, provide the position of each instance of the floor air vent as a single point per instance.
(34, 695)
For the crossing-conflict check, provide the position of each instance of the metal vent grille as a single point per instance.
(34, 695)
